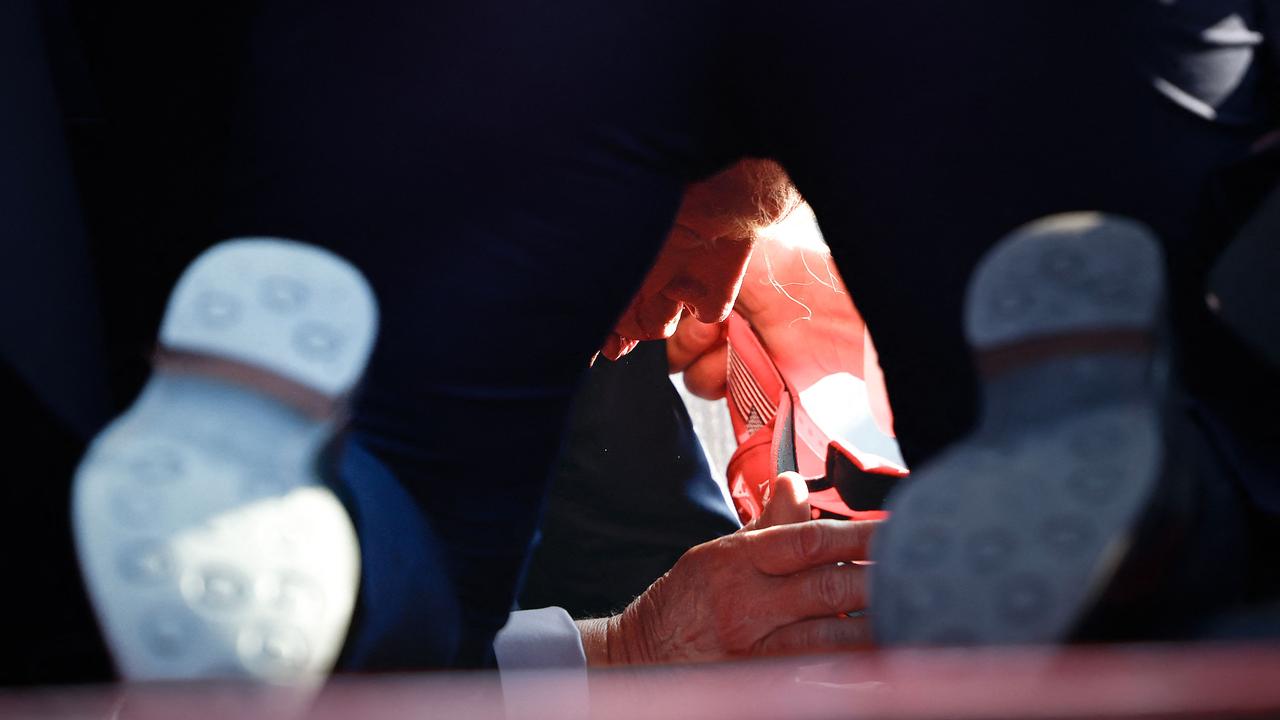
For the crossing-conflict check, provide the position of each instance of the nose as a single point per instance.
(708, 307)
(693, 295)
(711, 312)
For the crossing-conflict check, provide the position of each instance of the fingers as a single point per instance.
(819, 635)
(820, 592)
(787, 549)
(701, 352)
(788, 502)
(708, 376)
(615, 346)
(692, 339)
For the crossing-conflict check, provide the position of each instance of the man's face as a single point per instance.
(705, 256)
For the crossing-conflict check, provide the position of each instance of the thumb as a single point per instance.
(788, 502)
(692, 340)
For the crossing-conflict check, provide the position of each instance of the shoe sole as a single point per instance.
(1010, 536)
(208, 544)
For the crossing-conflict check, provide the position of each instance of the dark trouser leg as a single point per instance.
(502, 174)
(923, 132)
(406, 615)
(53, 386)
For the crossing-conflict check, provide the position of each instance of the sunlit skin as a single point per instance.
(780, 586)
(689, 274)
(784, 584)
(796, 301)
(702, 263)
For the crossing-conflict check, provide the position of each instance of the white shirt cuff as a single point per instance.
(544, 640)
(541, 639)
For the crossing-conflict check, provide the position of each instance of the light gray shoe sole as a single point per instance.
(1010, 536)
(208, 544)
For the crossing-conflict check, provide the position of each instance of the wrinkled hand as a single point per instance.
(772, 588)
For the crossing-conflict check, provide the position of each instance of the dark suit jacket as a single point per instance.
(631, 491)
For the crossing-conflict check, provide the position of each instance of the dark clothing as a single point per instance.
(50, 333)
(631, 491)
(1207, 61)
(406, 609)
(504, 172)
(52, 381)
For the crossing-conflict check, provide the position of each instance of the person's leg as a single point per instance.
(50, 633)
(205, 534)
(54, 388)
(407, 609)
(503, 174)
(923, 132)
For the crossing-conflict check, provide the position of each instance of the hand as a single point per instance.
(772, 588)
(700, 351)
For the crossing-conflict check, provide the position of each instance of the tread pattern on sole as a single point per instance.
(208, 545)
(295, 310)
(1009, 536)
(1013, 549)
(1065, 273)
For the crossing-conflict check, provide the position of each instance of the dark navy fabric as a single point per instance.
(52, 379)
(505, 171)
(1238, 384)
(50, 333)
(631, 491)
(406, 608)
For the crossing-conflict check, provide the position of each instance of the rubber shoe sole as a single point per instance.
(209, 545)
(1012, 536)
